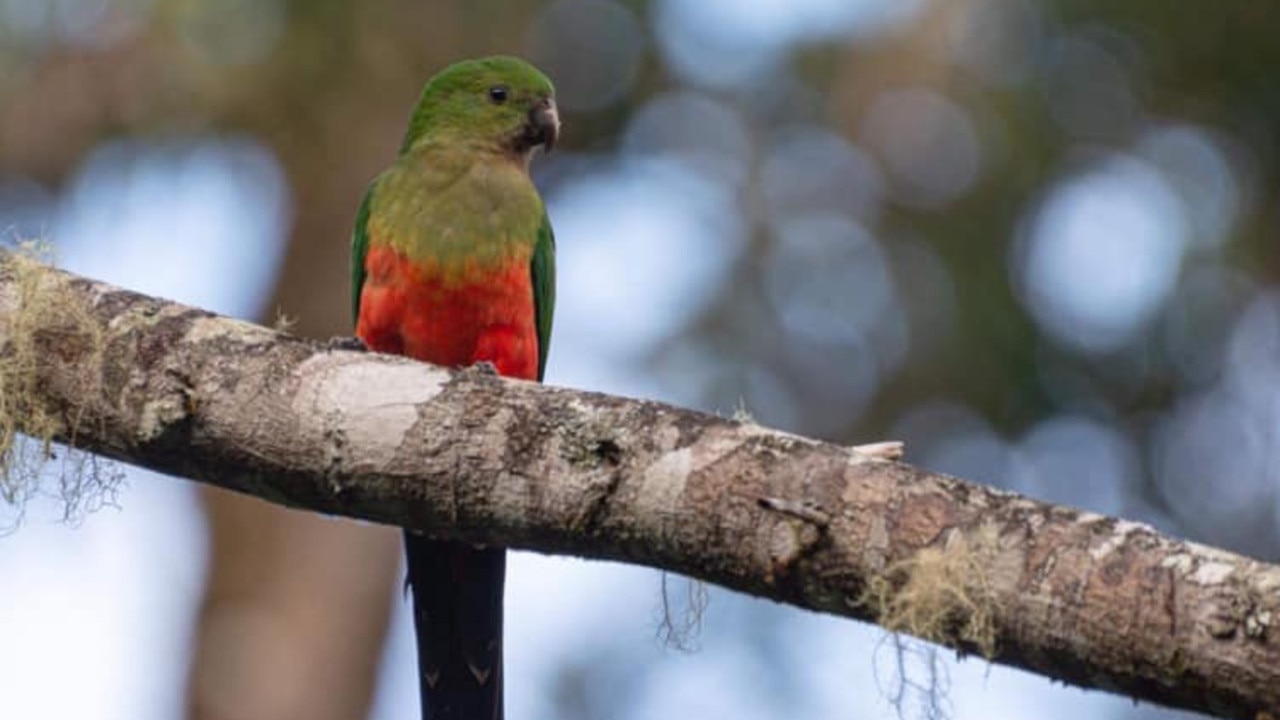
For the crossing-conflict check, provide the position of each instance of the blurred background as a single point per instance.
(1037, 240)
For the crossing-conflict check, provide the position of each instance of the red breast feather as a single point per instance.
(453, 319)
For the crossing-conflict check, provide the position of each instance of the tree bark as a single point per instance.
(1081, 598)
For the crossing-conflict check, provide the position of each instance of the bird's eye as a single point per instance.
(498, 94)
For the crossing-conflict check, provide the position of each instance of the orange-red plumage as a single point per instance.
(455, 319)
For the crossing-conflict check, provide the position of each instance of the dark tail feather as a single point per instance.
(457, 616)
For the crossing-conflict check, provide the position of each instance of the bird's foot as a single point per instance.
(484, 367)
(347, 342)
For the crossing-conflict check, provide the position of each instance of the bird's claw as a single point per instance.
(347, 342)
(484, 367)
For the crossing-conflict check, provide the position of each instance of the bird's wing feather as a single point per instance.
(360, 248)
(544, 289)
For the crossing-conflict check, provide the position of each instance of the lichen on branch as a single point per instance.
(47, 318)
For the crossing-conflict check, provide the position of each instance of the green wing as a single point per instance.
(544, 289)
(360, 248)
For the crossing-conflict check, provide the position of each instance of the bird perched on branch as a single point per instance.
(453, 264)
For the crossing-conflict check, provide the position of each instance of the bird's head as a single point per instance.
(499, 103)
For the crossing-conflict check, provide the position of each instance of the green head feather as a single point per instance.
(485, 102)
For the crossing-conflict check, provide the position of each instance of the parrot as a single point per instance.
(453, 263)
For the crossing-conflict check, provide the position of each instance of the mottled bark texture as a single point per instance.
(1078, 597)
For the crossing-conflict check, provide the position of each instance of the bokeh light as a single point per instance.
(1078, 461)
(726, 44)
(928, 144)
(1102, 254)
(1196, 165)
(593, 49)
(693, 130)
(133, 208)
(997, 40)
(837, 307)
(652, 242)
(810, 168)
(1088, 84)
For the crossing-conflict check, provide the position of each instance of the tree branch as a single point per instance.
(1078, 597)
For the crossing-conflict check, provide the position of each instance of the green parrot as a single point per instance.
(453, 264)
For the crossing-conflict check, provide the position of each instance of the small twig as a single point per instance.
(887, 450)
(805, 510)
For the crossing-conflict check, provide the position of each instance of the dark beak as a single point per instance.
(544, 125)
